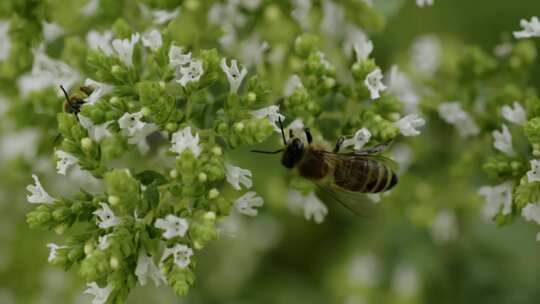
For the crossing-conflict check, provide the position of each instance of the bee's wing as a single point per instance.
(371, 154)
(355, 202)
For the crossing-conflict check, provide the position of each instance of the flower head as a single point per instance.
(497, 197)
(314, 209)
(272, 112)
(190, 73)
(131, 123)
(408, 124)
(422, 3)
(96, 132)
(374, 83)
(5, 41)
(181, 254)
(64, 161)
(247, 203)
(173, 225)
(234, 75)
(105, 217)
(53, 251)
(236, 176)
(183, 139)
(516, 115)
(503, 141)
(100, 41)
(360, 138)
(530, 29)
(100, 294)
(152, 39)
(38, 194)
(177, 58)
(452, 113)
(146, 268)
(531, 212)
(124, 49)
(533, 175)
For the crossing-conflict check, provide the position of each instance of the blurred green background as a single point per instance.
(392, 256)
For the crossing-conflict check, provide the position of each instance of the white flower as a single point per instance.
(53, 251)
(405, 281)
(234, 75)
(64, 161)
(103, 242)
(90, 8)
(95, 132)
(236, 176)
(426, 54)
(251, 4)
(100, 294)
(177, 58)
(105, 217)
(497, 196)
(38, 194)
(353, 36)
(51, 31)
(152, 39)
(360, 138)
(374, 83)
(47, 72)
(181, 254)
(530, 29)
(403, 155)
(272, 112)
(124, 49)
(300, 13)
(452, 113)
(503, 50)
(444, 227)
(531, 212)
(163, 16)
(314, 209)
(533, 175)
(5, 41)
(252, 52)
(291, 85)
(131, 123)
(183, 139)
(363, 271)
(190, 73)
(516, 115)
(503, 141)
(363, 49)
(422, 3)
(228, 40)
(333, 19)
(228, 14)
(408, 124)
(99, 90)
(100, 41)
(173, 225)
(247, 203)
(401, 86)
(146, 268)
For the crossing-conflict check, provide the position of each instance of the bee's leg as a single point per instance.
(339, 142)
(309, 137)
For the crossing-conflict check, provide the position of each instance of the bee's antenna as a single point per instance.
(282, 132)
(267, 152)
(65, 94)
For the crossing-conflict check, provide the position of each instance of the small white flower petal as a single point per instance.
(516, 114)
(124, 49)
(452, 113)
(247, 203)
(152, 39)
(503, 141)
(272, 113)
(291, 85)
(184, 139)
(146, 268)
(408, 124)
(426, 55)
(422, 3)
(103, 242)
(177, 58)
(53, 251)
(38, 194)
(190, 73)
(164, 16)
(236, 176)
(52, 31)
(314, 209)
(497, 197)
(181, 254)
(234, 75)
(105, 217)
(64, 161)
(131, 123)
(531, 212)
(533, 175)
(100, 41)
(360, 138)
(99, 90)
(530, 29)
(90, 8)
(100, 294)
(374, 83)
(173, 225)
(363, 49)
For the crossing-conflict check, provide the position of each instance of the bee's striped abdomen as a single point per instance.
(366, 176)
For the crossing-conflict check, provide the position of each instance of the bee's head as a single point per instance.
(293, 153)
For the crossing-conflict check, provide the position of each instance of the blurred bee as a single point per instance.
(342, 176)
(74, 103)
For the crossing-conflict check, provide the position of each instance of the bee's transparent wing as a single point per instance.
(355, 202)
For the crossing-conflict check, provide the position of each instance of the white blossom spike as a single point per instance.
(152, 39)
(531, 212)
(131, 123)
(64, 161)
(374, 83)
(124, 49)
(530, 29)
(498, 199)
(181, 255)
(173, 225)
(53, 251)
(184, 139)
(146, 268)
(105, 217)
(5, 40)
(38, 194)
(408, 124)
(533, 175)
(516, 114)
(100, 41)
(177, 58)
(190, 73)
(247, 203)
(100, 294)
(503, 141)
(272, 113)
(234, 75)
(237, 176)
(360, 138)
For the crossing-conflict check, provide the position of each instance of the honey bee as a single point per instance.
(74, 103)
(342, 176)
